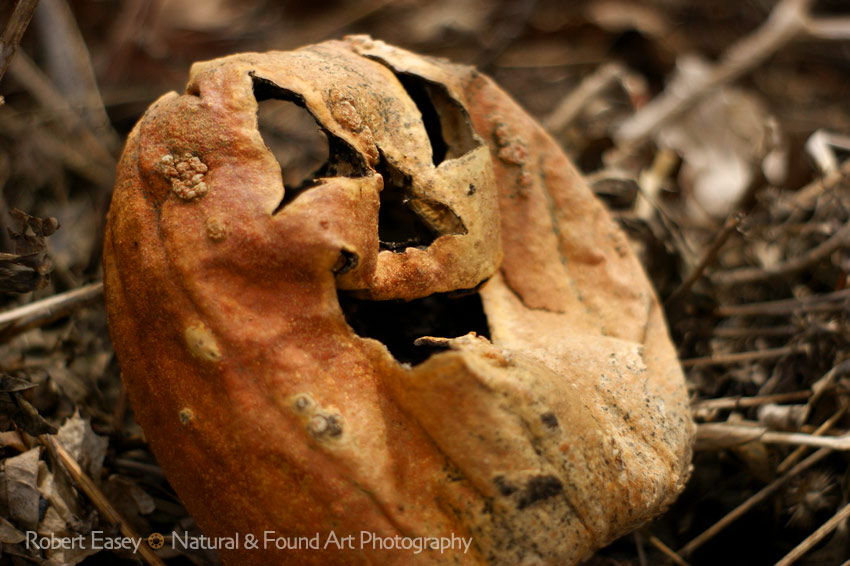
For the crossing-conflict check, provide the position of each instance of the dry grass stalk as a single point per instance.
(97, 497)
(815, 537)
(751, 502)
(14, 31)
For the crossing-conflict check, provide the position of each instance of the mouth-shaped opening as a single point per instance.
(397, 324)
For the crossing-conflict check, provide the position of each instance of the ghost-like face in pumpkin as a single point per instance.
(568, 426)
(397, 138)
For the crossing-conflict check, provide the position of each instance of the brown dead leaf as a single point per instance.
(17, 412)
(9, 534)
(87, 448)
(28, 268)
(22, 488)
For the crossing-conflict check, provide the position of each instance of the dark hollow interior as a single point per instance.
(398, 323)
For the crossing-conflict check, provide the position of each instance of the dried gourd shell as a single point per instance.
(564, 429)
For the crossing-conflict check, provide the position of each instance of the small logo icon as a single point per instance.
(156, 540)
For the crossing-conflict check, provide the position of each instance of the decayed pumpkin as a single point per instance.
(564, 429)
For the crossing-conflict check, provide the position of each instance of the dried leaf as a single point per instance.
(28, 268)
(54, 524)
(22, 488)
(11, 383)
(15, 411)
(87, 448)
(9, 534)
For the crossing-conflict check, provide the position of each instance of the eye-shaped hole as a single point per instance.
(405, 221)
(304, 149)
(300, 147)
(446, 121)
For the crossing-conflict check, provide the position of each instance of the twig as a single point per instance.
(708, 257)
(814, 538)
(98, 498)
(822, 385)
(804, 199)
(738, 357)
(48, 96)
(788, 20)
(72, 156)
(841, 443)
(668, 552)
(718, 436)
(782, 306)
(745, 402)
(750, 331)
(752, 274)
(21, 16)
(800, 450)
(650, 182)
(69, 63)
(639, 548)
(42, 312)
(590, 87)
(754, 500)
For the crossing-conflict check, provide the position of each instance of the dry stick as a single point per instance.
(799, 203)
(752, 274)
(815, 537)
(782, 306)
(669, 552)
(65, 51)
(754, 500)
(73, 157)
(42, 312)
(788, 20)
(639, 547)
(21, 16)
(590, 87)
(745, 402)
(40, 87)
(97, 497)
(754, 331)
(719, 436)
(708, 257)
(738, 357)
(800, 450)
(841, 443)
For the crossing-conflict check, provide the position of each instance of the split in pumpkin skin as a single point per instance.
(286, 420)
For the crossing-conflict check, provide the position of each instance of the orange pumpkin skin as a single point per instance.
(267, 412)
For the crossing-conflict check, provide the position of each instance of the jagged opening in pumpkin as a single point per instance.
(298, 144)
(446, 121)
(405, 221)
(397, 324)
(304, 149)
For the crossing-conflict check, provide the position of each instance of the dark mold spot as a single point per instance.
(549, 419)
(539, 488)
(505, 488)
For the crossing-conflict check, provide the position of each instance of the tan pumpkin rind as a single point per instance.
(267, 412)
